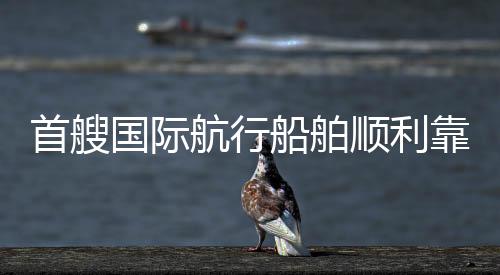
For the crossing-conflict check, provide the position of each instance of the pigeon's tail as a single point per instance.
(286, 230)
(286, 248)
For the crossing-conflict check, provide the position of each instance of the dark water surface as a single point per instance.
(193, 199)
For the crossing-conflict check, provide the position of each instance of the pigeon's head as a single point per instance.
(265, 144)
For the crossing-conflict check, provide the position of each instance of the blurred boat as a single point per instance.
(177, 31)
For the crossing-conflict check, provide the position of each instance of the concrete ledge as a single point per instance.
(349, 260)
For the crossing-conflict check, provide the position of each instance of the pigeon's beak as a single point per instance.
(254, 145)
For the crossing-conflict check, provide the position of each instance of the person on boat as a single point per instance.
(184, 24)
(241, 25)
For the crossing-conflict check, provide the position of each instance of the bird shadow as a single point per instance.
(330, 253)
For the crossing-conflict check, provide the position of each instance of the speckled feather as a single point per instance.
(263, 202)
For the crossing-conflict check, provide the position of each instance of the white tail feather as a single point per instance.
(286, 248)
(287, 235)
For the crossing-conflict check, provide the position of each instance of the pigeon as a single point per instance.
(269, 201)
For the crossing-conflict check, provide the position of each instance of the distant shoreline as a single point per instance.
(433, 66)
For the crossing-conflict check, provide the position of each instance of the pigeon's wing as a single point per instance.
(260, 201)
(276, 213)
(285, 227)
(290, 202)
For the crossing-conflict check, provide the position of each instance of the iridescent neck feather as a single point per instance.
(266, 167)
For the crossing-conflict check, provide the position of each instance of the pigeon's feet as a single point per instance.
(254, 249)
(261, 249)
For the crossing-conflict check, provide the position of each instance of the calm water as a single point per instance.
(185, 199)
